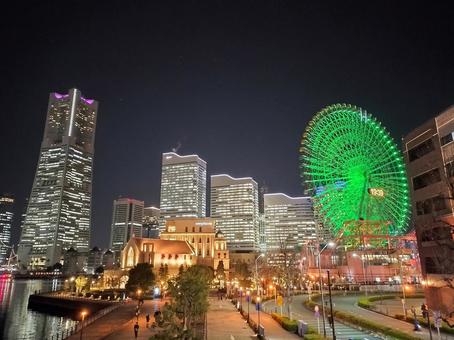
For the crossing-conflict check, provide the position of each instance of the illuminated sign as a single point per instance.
(203, 223)
(377, 192)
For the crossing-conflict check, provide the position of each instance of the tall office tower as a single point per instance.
(127, 219)
(151, 222)
(6, 220)
(183, 186)
(429, 156)
(235, 207)
(59, 208)
(289, 222)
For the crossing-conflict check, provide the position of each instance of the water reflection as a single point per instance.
(18, 322)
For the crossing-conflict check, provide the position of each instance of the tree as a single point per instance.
(99, 270)
(243, 274)
(190, 293)
(81, 282)
(140, 277)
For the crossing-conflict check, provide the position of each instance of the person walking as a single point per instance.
(136, 329)
(147, 317)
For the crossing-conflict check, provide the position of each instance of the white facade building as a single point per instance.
(183, 186)
(59, 208)
(289, 221)
(235, 207)
(127, 221)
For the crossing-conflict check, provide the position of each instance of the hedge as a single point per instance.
(286, 323)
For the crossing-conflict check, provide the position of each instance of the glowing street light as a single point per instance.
(83, 313)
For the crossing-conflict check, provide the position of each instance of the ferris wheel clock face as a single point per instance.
(354, 170)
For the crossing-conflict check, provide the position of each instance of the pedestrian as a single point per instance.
(136, 330)
(147, 317)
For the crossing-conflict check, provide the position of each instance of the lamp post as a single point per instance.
(329, 244)
(248, 298)
(139, 291)
(241, 300)
(258, 314)
(403, 288)
(364, 271)
(257, 273)
(83, 313)
(331, 306)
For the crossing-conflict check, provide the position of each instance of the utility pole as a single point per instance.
(331, 305)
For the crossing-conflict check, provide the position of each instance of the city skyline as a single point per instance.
(236, 87)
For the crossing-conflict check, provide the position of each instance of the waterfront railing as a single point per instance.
(66, 333)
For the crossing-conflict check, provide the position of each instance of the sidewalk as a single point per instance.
(119, 323)
(273, 331)
(224, 322)
(126, 331)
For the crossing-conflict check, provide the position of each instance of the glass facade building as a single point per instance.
(59, 207)
(6, 220)
(235, 207)
(127, 219)
(183, 187)
(289, 222)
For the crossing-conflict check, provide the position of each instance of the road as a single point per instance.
(299, 312)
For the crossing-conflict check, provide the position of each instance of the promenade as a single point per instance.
(273, 331)
(119, 323)
(224, 322)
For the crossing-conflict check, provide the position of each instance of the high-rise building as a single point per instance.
(235, 207)
(183, 187)
(6, 220)
(59, 208)
(151, 222)
(429, 156)
(127, 219)
(289, 222)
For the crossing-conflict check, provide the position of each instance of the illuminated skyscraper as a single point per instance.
(235, 207)
(127, 220)
(289, 221)
(6, 220)
(183, 186)
(59, 208)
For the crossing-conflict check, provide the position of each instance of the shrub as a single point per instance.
(310, 336)
(285, 322)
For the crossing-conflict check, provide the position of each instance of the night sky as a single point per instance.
(234, 81)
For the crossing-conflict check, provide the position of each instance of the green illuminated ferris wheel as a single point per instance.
(354, 170)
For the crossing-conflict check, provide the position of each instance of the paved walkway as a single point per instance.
(273, 331)
(126, 331)
(225, 322)
(119, 323)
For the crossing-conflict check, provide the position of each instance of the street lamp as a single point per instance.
(139, 291)
(258, 314)
(83, 313)
(248, 298)
(330, 244)
(257, 273)
(241, 300)
(364, 271)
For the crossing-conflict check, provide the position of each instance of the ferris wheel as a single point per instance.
(354, 170)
